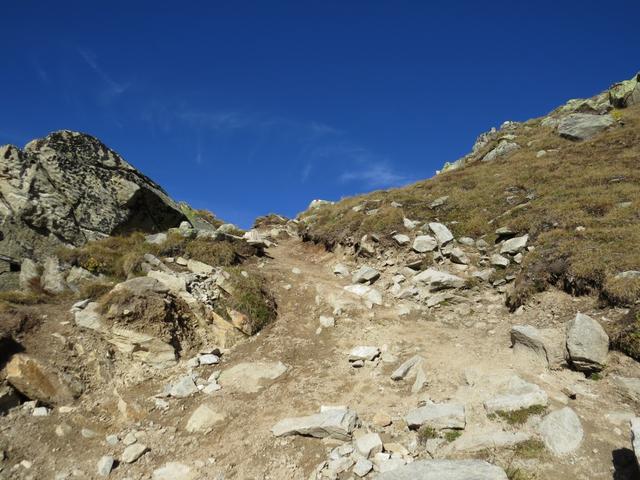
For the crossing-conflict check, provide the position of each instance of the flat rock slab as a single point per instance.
(203, 418)
(437, 415)
(174, 471)
(561, 431)
(580, 126)
(334, 423)
(403, 370)
(446, 470)
(251, 377)
(437, 280)
(363, 353)
(517, 395)
(38, 381)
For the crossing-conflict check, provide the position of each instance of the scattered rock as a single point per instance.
(363, 353)
(29, 274)
(498, 260)
(362, 467)
(335, 423)
(133, 452)
(368, 444)
(438, 416)
(437, 280)
(587, 344)
(105, 464)
(401, 239)
(504, 148)
(369, 294)
(548, 344)
(327, 322)
(514, 245)
(340, 270)
(561, 431)
(365, 274)
(382, 419)
(441, 232)
(403, 370)
(424, 243)
(183, 387)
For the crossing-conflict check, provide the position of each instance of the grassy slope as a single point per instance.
(548, 197)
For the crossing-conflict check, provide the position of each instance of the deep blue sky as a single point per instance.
(246, 108)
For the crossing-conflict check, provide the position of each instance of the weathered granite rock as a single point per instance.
(69, 188)
(334, 423)
(581, 126)
(441, 232)
(514, 245)
(561, 431)
(174, 471)
(438, 416)
(503, 148)
(587, 344)
(365, 274)
(488, 440)
(424, 243)
(547, 344)
(37, 381)
(403, 370)
(437, 280)
(446, 470)
(133, 452)
(635, 437)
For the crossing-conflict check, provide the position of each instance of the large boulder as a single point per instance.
(587, 344)
(70, 188)
(437, 280)
(549, 345)
(446, 470)
(38, 381)
(581, 126)
(504, 148)
(626, 93)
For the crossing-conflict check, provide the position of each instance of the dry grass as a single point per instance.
(593, 184)
(249, 297)
(520, 417)
(22, 297)
(626, 334)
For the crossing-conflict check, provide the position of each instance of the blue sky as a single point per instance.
(247, 108)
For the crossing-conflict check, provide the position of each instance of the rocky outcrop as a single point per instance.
(446, 470)
(581, 126)
(70, 188)
(587, 344)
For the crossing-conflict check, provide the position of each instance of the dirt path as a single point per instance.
(465, 345)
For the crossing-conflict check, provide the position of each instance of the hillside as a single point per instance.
(479, 325)
(569, 180)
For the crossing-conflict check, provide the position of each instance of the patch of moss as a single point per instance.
(452, 435)
(426, 433)
(532, 448)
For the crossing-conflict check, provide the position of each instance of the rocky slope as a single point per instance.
(397, 353)
(68, 188)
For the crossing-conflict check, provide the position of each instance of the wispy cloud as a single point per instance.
(112, 89)
(40, 71)
(376, 175)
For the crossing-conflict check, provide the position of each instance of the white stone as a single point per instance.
(327, 322)
(174, 471)
(424, 243)
(133, 452)
(438, 416)
(368, 444)
(514, 245)
(203, 418)
(441, 232)
(105, 464)
(337, 424)
(561, 431)
(446, 470)
(363, 353)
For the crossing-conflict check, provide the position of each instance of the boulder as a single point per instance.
(514, 245)
(37, 381)
(503, 148)
(365, 274)
(424, 243)
(549, 345)
(587, 344)
(625, 93)
(133, 452)
(629, 386)
(581, 126)
(437, 280)
(441, 232)
(333, 423)
(561, 431)
(251, 377)
(403, 370)
(363, 353)
(438, 416)
(498, 260)
(488, 440)
(445, 470)
(68, 188)
(457, 255)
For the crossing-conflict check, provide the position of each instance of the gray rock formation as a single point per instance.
(580, 126)
(504, 148)
(437, 415)
(334, 423)
(561, 431)
(70, 188)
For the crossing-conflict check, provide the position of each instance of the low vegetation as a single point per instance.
(426, 433)
(530, 449)
(119, 257)
(626, 334)
(520, 417)
(579, 203)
